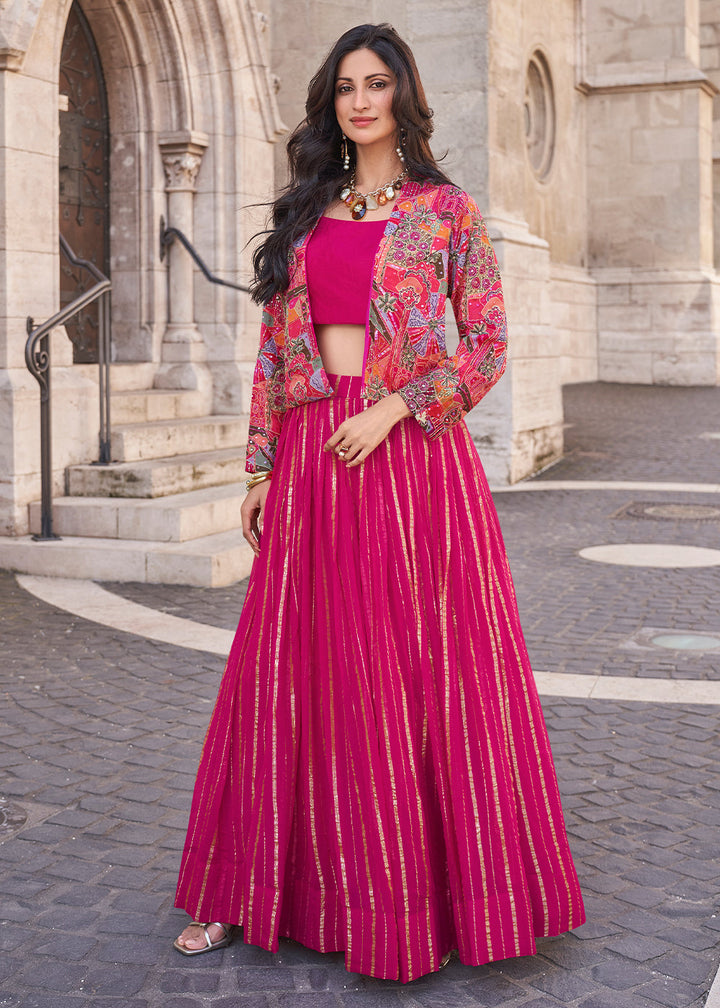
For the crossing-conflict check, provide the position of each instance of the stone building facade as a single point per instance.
(585, 131)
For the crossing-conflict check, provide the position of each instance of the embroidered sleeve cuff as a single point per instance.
(420, 398)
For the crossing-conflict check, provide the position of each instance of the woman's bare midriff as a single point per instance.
(342, 348)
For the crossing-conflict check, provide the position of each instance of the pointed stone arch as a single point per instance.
(196, 69)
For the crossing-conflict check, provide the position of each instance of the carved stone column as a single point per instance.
(183, 353)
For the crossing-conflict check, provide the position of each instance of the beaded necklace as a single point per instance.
(360, 203)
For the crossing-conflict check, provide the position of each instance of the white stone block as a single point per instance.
(667, 143)
(30, 114)
(36, 297)
(680, 314)
(628, 366)
(131, 375)
(533, 341)
(159, 477)
(97, 559)
(534, 450)
(245, 371)
(639, 341)
(80, 516)
(227, 388)
(612, 142)
(537, 401)
(685, 369)
(75, 417)
(614, 294)
(183, 516)
(213, 561)
(139, 406)
(578, 369)
(653, 42)
(30, 183)
(126, 307)
(182, 437)
(625, 318)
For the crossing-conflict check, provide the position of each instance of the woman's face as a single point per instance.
(363, 98)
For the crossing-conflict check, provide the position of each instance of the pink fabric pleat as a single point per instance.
(377, 777)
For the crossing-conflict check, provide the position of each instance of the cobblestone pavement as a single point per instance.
(102, 732)
(640, 432)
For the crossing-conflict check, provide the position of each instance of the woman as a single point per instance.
(376, 776)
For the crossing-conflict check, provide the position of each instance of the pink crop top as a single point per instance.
(339, 264)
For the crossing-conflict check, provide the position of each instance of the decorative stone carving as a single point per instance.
(539, 115)
(182, 156)
(181, 172)
(255, 24)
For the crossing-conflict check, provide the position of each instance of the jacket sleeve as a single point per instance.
(267, 403)
(440, 398)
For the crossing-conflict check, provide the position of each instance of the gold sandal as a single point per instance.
(220, 943)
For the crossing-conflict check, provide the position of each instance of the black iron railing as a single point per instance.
(37, 358)
(168, 236)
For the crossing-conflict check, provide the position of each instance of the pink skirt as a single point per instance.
(377, 777)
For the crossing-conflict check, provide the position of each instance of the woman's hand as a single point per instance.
(361, 433)
(251, 513)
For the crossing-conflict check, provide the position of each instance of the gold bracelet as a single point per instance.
(258, 477)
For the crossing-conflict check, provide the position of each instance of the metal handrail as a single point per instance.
(168, 236)
(37, 359)
(104, 347)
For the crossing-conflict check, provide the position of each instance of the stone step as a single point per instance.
(148, 405)
(126, 375)
(211, 561)
(158, 477)
(163, 438)
(178, 518)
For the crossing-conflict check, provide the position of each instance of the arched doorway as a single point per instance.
(84, 175)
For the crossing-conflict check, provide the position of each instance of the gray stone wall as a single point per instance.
(650, 192)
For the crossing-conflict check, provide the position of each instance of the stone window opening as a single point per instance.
(539, 112)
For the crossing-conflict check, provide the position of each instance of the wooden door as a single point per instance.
(84, 176)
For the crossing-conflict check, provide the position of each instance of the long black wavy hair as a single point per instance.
(316, 170)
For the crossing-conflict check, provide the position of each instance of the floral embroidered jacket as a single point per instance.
(435, 246)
